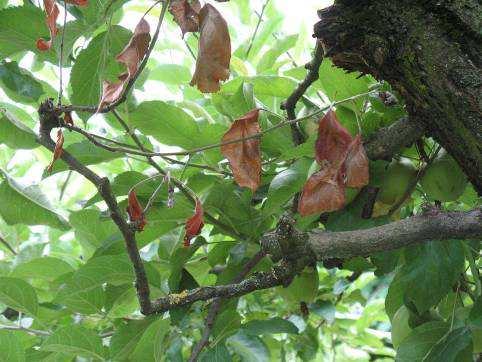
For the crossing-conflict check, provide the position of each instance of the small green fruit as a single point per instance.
(444, 180)
(400, 326)
(303, 288)
(395, 181)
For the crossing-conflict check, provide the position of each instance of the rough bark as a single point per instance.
(430, 52)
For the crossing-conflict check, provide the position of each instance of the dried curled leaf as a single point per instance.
(212, 65)
(52, 12)
(333, 140)
(186, 14)
(57, 150)
(194, 224)
(131, 56)
(112, 91)
(136, 49)
(323, 192)
(344, 163)
(245, 156)
(356, 164)
(135, 211)
(68, 118)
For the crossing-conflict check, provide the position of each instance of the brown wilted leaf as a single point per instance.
(244, 157)
(131, 57)
(186, 14)
(356, 164)
(212, 65)
(136, 49)
(194, 224)
(68, 118)
(57, 150)
(333, 140)
(52, 12)
(323, 192)
(135, 211)
(112, 91)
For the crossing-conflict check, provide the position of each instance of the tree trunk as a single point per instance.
(430, 52)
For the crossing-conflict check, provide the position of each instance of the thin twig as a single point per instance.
(153, 197)
(216, 306)
(28, 330)
(64, 185)
(312, 76)
(61, 57)
(260, 19)
(7, 245)
(131, 82)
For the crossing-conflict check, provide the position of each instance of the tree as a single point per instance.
(267, 210)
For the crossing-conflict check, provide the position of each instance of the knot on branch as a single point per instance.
(287, 243)
(49, 116)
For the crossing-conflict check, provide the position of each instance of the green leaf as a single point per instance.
(428, 274)
(226, 324)
(19, 84)
(46, 268)
(280, 47)
(99, 11)
(75, 340)
(285, 184)
(151, 346)
(237, 104)
(267, 85)
(14, 133)
(269, 326)
(172, 126)
(113, 269)
(451, 348)
(218, 353)
(420, 341)
(18, 35)
(127, 337)
(89, 229)
(86, 153)
(126, 304)
(338, 84)
(170, 73)
(11, 348)
(18, 295)
(95, 64)
(26, 205)
(77, 295)
(249, 348)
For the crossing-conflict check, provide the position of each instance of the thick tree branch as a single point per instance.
(49, 119)
(387, 141)
(307, 247)
(396, 235)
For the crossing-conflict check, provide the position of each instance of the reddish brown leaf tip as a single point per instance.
(135, 211)
(212, 65)
(194, 224)
(356, 164)
(78, 2)
(52, 12)
(244, 156)
(57, 150)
